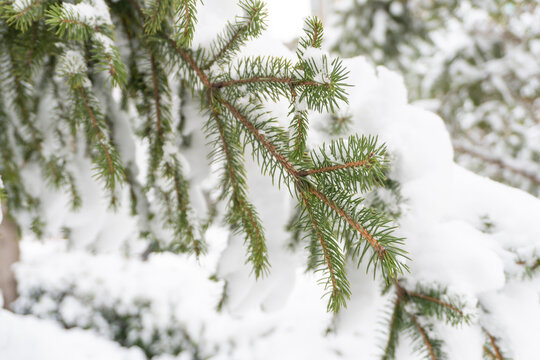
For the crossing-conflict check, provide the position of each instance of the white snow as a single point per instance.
(91, 12)
(73, 62)
(27, 338)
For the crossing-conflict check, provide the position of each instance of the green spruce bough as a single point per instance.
(68, 52)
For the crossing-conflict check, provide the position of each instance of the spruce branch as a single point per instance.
(22, 17)
(313, 36)
(357, 163)
(186, 16)
(425, 303)
(108, 59)
(332, 260)
(110, 169)
(156, 12)
(241, 212)
(432, 346)
(86, 107)
(429, 302)
(71, 23)
(491, 348)
(247, 26)
(394, 327)
(298, 129)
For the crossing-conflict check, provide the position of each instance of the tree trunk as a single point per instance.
(9, 254)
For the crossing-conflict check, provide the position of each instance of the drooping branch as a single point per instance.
(252, 227)
(156, 97)
(390, 348)
(324, 247)
(290, 171)
(98, 131)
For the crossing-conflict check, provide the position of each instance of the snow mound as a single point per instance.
(27, 338)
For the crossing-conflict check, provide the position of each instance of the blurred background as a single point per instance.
(476, 63)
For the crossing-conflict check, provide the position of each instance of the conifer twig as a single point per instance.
(326, 255)
(262, 139)
(101, 136)
(156, 97)
(423, 334)
(334, 168)
(389, 349)
(435, 300)
(253, 230)
(295, 173)
(489, 353)
(494, 346)
(267, 79)
(381, 250)
(231, 41)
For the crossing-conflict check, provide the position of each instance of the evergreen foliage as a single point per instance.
(413, 313)
(79, 63)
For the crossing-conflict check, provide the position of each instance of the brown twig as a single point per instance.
(333, 168)
(269, 79)
(494, 346)
(185, 55)
(425, 338)
(188, 19)
(156, 8)
(489, 353)
(435, 300)
(262, 139)
(381, 250)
